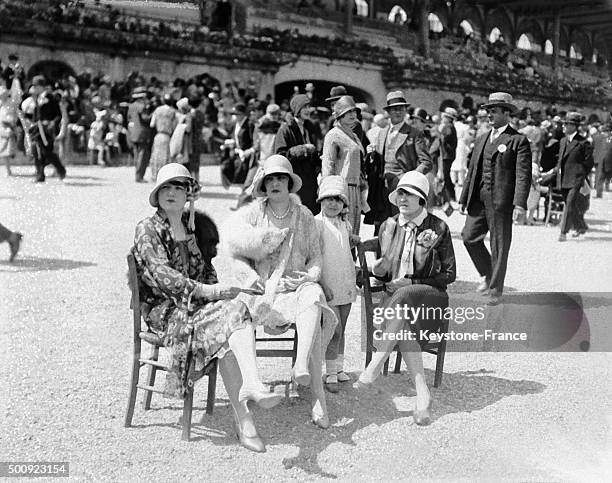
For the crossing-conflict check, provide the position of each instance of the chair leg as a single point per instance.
(212, 388)
(187, 410)
(440, 363)
(129, 413)
(398, 361)
(146, 404)
(295, 344)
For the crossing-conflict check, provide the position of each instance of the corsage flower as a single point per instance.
(427, 238)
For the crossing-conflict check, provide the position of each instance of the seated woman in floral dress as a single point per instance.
(418, 263)
(182, 301)
(275, 244)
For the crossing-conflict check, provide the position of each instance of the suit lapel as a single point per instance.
(479, 148)
(382, 140)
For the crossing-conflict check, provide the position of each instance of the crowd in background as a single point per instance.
(95, 120)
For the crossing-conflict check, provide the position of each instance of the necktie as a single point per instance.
(406, 267)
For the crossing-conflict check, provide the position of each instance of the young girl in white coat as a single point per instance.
(338, 273)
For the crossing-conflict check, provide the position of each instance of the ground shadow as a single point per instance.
(351, 411)
(35, 264)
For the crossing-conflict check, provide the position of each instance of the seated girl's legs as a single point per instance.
(410, 296)
(308, 325)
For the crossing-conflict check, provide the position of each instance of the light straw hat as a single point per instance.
(170, 172)
(331, 186)
(411, 182)
(276, 164)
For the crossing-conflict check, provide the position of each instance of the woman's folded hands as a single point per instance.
(291, 282)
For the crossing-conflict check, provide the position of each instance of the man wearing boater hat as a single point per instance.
(401, 147)
(495, 190)
(574, 164)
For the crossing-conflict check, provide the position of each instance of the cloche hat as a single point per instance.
(333, 185)
(343, 105)
(276, 164)
(171, 172)
(412, 182)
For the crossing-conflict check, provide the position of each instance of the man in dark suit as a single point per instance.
(495, 190)
(46, 119)
(139, 131)
(400, 146)
(574, 165)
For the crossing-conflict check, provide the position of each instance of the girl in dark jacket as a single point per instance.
(417, 265)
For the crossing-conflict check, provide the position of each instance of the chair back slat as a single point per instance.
(135, 302)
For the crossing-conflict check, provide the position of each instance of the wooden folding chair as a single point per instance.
(372, 287)
(554, 204)
(154, 365)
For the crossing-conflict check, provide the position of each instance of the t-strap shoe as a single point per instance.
(263, 399)
(253, 443)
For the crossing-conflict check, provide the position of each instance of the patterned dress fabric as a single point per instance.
(168, 272)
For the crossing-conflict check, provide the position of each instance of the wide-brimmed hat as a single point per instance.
(396, 99)
(276, 164)
(298, 102)
(139, 92)
(502, 99)
(344, 105)
(331, 186)
(412, 182)
(451, 113)
(171, 172)
(336, 93)
(573, 118)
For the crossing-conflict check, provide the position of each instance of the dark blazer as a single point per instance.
(245, 135)
(435, 265)
(306, 164)
(412, 153)
(511, 171)
(139, 119)
(575, 161)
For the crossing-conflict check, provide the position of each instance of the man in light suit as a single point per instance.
(399, 146)
(139, 131)
(494, 192)
(574, 164)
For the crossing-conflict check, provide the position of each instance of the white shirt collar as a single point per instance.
(572, 136)
(417, 220)
(396, 127)
(500, 130)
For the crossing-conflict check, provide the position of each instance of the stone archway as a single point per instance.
(53, 70)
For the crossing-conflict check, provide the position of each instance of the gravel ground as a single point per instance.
(66, 333)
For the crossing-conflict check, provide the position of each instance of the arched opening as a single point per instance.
(575, 52)
(53, 70)
(595, 56)
(524, 42)
(548, 47)
(285, 90)
(495, 35)
(398, 15)
(435, 24)
(362, 8)
(467, 28)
